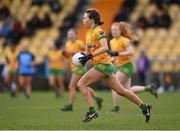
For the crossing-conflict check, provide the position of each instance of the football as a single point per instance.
(75, 59)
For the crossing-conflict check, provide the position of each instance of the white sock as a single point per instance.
(13, 86)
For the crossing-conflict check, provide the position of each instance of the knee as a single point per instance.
(61, 84)
(80, 84)
(52, 84)
(82, 88)
(125, 91)
(72, 88)
(29, 84)
(21, 83)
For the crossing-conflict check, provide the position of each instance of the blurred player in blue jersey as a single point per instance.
(26, 70)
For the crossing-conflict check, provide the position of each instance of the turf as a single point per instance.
(42, 111)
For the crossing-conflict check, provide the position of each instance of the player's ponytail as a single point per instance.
(95, 15)
(127, 31)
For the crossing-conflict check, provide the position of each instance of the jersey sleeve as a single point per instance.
(100, 34)
(126, 43)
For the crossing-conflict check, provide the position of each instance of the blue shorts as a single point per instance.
(25, 74)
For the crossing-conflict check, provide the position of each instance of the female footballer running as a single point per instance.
(122, 53)
(103, 69)
(72, 46)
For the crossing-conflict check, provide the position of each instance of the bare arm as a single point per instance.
(128, 52)
(86, 50)
(103, 49)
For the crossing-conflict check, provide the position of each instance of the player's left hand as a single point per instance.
(85, 58)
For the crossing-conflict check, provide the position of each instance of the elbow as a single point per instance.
(131, 53)
(105, 49)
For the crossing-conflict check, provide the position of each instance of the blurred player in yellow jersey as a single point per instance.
(72, 46)
(103, 69)
(122, 55)
(11, 76)
(56, 68)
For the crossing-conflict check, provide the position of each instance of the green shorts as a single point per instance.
(80, 71)
(12, 72)
(107, 69)
(127, 69)
(57, 72)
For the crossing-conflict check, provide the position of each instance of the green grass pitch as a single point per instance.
(42, 111)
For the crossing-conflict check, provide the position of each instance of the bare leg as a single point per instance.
(137, 89)
(72, 90)
(123, 80)
(116, 86)
(7, 80)
(98, 99)
(22, 82)
(114, 83)
(86, 80)
(83, 84)
(116, 98)
(72, 87)
(60, 81)
(92, 92)
(16, 83)
(52, 83)
(28, 88)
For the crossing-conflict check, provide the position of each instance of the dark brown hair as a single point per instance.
(95, 15)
